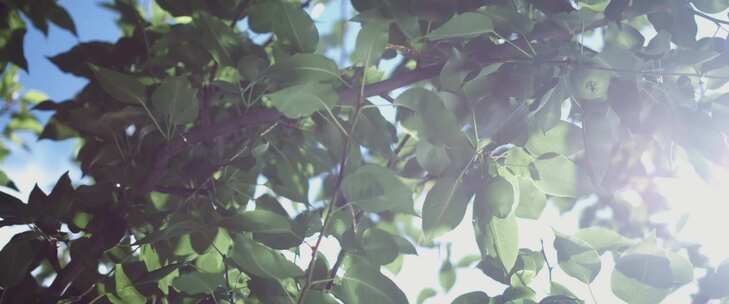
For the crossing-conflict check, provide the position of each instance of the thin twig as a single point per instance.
(710, 18)
(546, 261)
(335, 197)
(397, 150)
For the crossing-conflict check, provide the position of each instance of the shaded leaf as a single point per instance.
(375, 189)
(122, 87)
(466, 25)
(445, 206)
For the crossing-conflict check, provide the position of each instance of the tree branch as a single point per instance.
(504, 50)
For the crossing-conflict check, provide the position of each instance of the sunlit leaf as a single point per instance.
(425, 294)
(363, 283)
(447, 276)
(577, 258)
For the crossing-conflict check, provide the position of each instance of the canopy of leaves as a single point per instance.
(222, 137)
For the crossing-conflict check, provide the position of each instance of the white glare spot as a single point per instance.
(130, 130)
(317, 10)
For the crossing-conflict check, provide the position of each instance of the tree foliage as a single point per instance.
(504, 106)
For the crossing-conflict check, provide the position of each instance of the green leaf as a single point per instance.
(175, 102)
(711, 6)
(319, 297)
(577, 258)
(498, 196)
(558, 289)
(714, 284)
(303, 68)
(211, 262)
(634, 291)
(563, 138)
(508, 18)
(371, 42)
(624, 37)
(531, 200)
(304, 99)
(479, 87)
(528, 264)
(445, 206)
(61, 18)
(217, 38)
(590, 83)
(425, 294)
(255, 258)
(716, 83)
(122, 87)
(376, 189)
(474, 297)
(683, 26)
(660, 44)
(379, 246)
(272, 291)
(454, 72)
(647, 274)
(496, 237)
(447, 275)
(125, 289)
(442, 127)
(13, 48)
(11, 207)
(518, 294)
(363, 283)
(432, 158)
(289, 22)
(396, 265)
(375, 132)
(549, 112)
(603, 239)
(404, 246)
(601, 133)
(17, 257)
(198, 282)
(468, 261)
(259, 221)
(560, 299)
(466, 25)
(558, 176)
(270, 228)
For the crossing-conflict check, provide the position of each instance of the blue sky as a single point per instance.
(47, 160)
